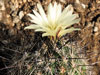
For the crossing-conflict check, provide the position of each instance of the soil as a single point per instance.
(14, 40)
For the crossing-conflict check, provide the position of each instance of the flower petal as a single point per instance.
(38, 15)
(46, 34)
(40, 30)
(58, 12)
(32, 27)
(69, 23)
(68, 17)
(69, 9)
(52, 13)
(49, 34)
(34, 18)
(63, 32)
(42, 13)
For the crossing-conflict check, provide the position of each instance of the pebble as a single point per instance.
(0, 16)
(16, 19)
(21, 14)
(95, 29)
(2, 6)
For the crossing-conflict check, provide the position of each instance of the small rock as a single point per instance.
(12, 31)
(2, 6)
(0, 16)
(63, 1)
(80, 7)
(21, 14)
(16, 19)
(95, 29)
(24, 1)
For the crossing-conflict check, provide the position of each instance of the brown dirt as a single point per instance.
(13, 19)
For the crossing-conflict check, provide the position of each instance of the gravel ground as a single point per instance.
(15, 41)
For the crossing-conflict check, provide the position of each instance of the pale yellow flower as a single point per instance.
(55, 24)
